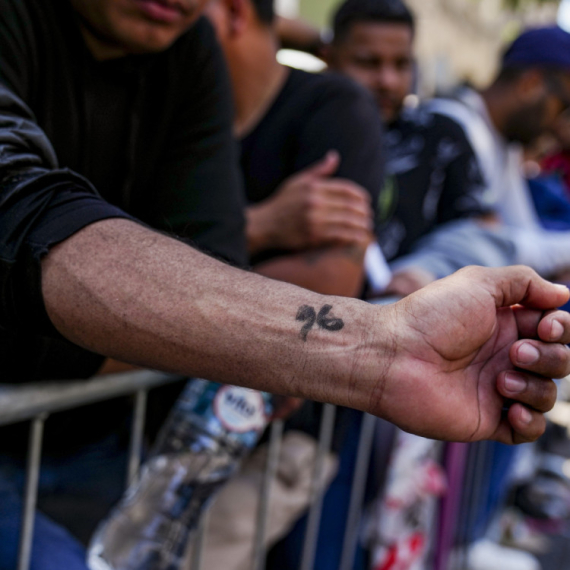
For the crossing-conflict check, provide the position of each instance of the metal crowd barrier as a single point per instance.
(35, 402)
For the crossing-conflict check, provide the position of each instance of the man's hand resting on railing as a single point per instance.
(440, 363)
(458, 362)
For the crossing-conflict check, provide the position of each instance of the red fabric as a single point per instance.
(559, 163)
(402, 555)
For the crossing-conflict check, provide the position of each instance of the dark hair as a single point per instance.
(264, 10)
(511, 73)
(380, 11)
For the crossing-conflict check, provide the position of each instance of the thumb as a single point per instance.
(325, 167)
(521, 285)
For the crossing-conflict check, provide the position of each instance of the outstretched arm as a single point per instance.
(434, 363)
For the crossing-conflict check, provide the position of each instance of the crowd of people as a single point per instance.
(172, 197)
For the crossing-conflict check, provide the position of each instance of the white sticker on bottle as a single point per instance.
(239, 409)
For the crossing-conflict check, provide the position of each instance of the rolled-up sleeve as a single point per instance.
(40, 206)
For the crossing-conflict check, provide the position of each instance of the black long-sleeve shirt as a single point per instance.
(81, 140)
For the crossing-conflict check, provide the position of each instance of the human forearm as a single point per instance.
(547, 252)
(258, 231)
(334, 271)
(454, 245)
(439, 363)
(149, 300)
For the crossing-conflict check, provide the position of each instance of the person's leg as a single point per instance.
(78, 491)
(74, 493)
(288, 552)
(53, 547)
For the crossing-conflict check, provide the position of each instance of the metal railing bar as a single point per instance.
(479, 482)
(31, 491)
(317, 492)
(137, 434)
(25, 402)
(357, 492)
(469, 486)
(198, 542)
(259, 551)
(472, 492)
(450, 526)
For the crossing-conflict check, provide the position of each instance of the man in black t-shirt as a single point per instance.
(79, 112)
(432, 174)
(151, 141)
(288, 122)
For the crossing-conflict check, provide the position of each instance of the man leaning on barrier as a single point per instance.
(442, 363)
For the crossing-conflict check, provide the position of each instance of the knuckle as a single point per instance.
(470, 272)
(546, 395)
(561, 360)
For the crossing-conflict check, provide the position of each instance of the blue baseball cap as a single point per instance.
(541, 47)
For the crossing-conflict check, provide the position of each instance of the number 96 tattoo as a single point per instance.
(309, 316)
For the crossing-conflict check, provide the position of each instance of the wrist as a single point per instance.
(258, 231)
(371, 358)
(380, 347)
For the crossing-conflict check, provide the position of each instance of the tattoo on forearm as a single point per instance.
(309, 316)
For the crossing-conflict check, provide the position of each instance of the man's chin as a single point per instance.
(150, 41)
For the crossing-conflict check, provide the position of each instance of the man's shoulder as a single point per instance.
(464, 106)
(431, 119)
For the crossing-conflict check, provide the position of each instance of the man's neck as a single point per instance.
(257, 79)
(495, 104)
(101, 50)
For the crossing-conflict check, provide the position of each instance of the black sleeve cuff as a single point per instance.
(37, 212)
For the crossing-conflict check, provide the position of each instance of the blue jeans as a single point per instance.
(287, 553)
(76, 491)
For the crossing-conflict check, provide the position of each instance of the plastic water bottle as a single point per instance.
(210, 429)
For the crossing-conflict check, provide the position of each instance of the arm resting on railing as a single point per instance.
(435, 363)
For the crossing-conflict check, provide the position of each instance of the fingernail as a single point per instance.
(526, 416)
(515, 383)
(557, 330)
(527, 354)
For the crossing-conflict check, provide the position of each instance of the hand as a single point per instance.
(112, 366)
(285, 406)
(408, 281)
(311, 209)
(462, 350)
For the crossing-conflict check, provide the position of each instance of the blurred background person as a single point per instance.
(433, 175)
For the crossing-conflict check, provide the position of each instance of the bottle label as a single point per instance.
(239, 409)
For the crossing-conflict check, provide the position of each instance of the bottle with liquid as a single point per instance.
(209, 430)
